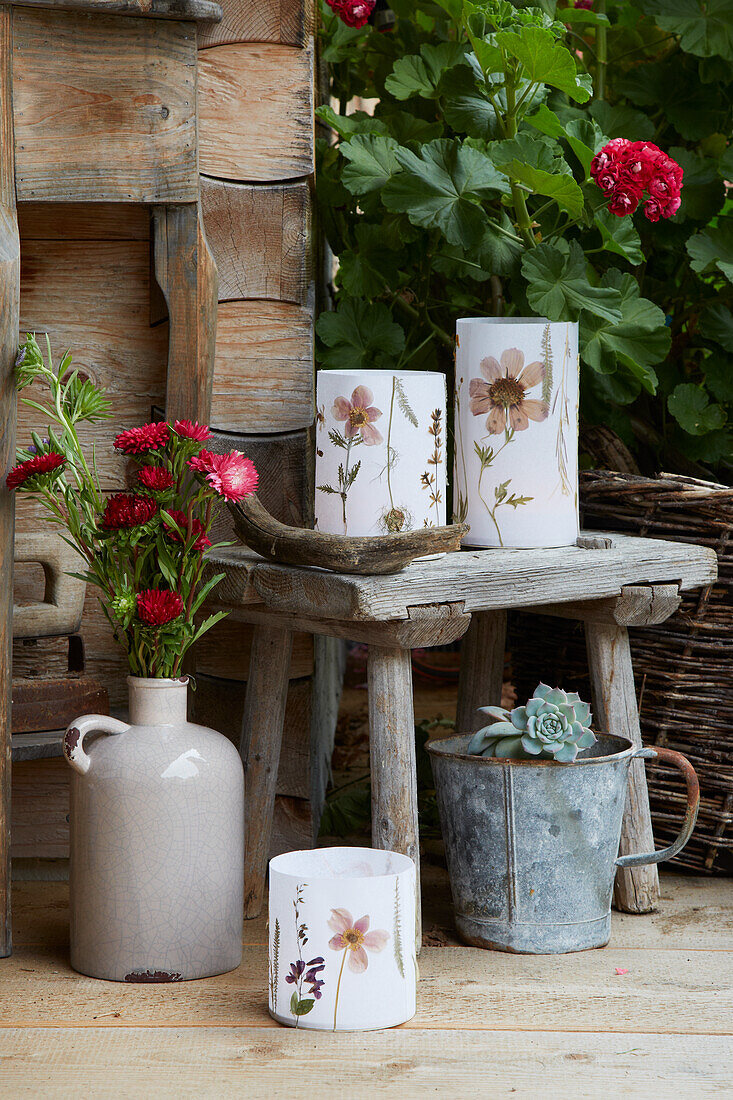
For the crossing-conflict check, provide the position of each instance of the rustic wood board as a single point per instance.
(483, 579)
(679, 992)
(153, 9)
(288, 22)
(259, 237)
(695, 914)
(256, 112)
(124, 129)
(83, 221)
(109, 333)
(263, 375)
(225, 1062)
(40, 809)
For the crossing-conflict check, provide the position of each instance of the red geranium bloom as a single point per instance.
(158, 606)
(197, 528)
(136, 441)
(127, 510)
(625, 169)
(354, 13)
(188, 430)
(155, 478)
(232, 476)
(32, 467)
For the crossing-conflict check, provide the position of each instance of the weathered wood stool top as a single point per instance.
(609, 582)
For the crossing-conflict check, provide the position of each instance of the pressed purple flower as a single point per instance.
(296, 969)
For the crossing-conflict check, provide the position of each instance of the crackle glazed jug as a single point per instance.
(157, 842)
(532, 845)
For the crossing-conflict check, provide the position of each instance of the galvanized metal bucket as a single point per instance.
(532, 845)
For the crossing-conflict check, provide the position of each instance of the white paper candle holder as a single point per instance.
(380, 451)
(516, 432)
(342, 939)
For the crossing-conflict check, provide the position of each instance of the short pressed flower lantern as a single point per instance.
(380, 451)
(342, 939)
(516, 431)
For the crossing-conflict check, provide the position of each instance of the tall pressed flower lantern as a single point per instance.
(380, 451)
(516, 432)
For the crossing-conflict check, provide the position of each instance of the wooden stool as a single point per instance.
(609, 583)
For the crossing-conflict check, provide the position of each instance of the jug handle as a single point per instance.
(73, 742)
(693, 805)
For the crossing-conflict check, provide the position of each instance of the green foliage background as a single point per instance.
(465, 191)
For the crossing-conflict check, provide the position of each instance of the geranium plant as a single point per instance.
(540, 158)
(143, 548)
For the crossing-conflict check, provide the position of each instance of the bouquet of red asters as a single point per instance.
(144, 548)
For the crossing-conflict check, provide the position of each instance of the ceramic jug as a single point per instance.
(157, 842)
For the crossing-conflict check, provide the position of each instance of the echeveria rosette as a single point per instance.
(554, 723)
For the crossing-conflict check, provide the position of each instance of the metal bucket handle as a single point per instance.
(693, 805)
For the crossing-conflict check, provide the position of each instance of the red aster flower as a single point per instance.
(188, 430)
(155, 478)
(137, 441)
(232, 476)
(157, 606)
(354, 13)
(127, 510)
(32, 467)
(197, 528)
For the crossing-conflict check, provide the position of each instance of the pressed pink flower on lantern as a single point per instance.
(232, 476)
(502, 392)
(359, 415)
(354, 937)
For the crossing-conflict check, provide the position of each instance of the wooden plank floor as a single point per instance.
(488, 1024)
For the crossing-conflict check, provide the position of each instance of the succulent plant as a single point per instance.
(554, 723)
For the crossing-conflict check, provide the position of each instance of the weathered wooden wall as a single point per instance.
(86, 279)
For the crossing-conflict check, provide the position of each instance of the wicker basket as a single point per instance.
(683, 669)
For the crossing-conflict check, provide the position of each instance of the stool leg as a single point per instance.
(482, 669)
(616, 711)
(259, 747)
(392, 752)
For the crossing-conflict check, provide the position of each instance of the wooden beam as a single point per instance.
(289, 22)
(9, 320)
(482, 669)
(260, 239)
(264, 376)
(186, 273)
(122, 130)
(638, 605)
(616, 711)
(188, 10)
(256, 112)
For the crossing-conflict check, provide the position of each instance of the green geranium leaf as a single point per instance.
(713, 249)
(364, 271)
(582, 135)
(621, 121)
(719, 376)
(716, 323)
(532, 162)
(421, 75)
(558, 286)
(466, 105)
(584, 15)
(638, 340)
(348, 125)
(619, 235)
(705, 27)
(372, 162)
(442, 188)
(545, 60)
(690, 407)
(702, 187)
(357, 334)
